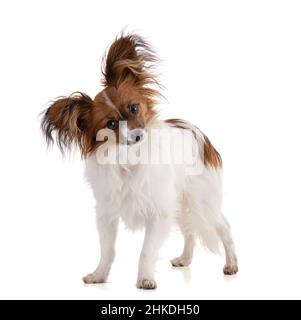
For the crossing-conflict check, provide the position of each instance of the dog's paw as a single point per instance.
(180, 262)
(230, 269)
(94, 278)
(147, 284)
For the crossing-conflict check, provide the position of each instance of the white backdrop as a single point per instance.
(231, 67)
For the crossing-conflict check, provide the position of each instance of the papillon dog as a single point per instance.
(136, 164)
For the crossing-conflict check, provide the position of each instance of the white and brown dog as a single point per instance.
(149, 194)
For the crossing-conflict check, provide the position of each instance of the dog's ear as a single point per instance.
(68, 117)
(130, 58)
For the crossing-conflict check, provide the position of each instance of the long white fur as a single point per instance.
(154, 196)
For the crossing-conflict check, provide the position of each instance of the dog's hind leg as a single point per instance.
(224, 232)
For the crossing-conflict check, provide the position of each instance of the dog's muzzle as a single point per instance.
(135, 135)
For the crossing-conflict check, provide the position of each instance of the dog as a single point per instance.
(150, 194)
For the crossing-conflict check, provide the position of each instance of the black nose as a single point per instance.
(138, 138)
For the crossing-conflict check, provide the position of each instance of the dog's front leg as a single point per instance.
(156, 230)
(107, 235)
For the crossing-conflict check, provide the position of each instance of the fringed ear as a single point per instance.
(68, 117)
(130, 58)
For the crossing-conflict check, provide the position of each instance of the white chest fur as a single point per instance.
(133, 193)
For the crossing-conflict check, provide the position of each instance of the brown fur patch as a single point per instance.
(211, 157)
(69, 118)
(129, 58)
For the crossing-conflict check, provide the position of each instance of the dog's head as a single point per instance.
(126, 105)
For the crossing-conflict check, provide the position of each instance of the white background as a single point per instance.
(231, 67)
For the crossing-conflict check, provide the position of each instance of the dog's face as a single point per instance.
(125, 105)
(124, 110)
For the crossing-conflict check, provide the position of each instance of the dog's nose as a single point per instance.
(135, 136)
(138, 138)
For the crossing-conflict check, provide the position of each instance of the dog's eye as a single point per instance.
(134, 108)
(112, 124)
